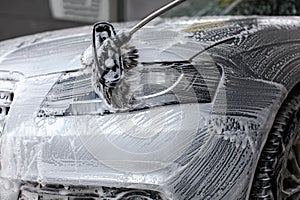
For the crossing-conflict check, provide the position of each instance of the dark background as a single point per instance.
(19, 17)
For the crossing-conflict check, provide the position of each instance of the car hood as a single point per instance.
(160, 41)
(60, 51)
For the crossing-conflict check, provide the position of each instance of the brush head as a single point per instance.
(130, 57)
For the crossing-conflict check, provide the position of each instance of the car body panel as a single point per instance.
(182, 150)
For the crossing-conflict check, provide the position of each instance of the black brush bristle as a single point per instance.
(130, 57)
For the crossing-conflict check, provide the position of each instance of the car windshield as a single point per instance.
(235, 7)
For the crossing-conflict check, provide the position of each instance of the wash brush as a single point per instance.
(110, 55)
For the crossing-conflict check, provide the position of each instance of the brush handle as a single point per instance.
(154, 15)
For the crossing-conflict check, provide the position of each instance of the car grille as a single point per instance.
(8, 84)
(35, 191)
